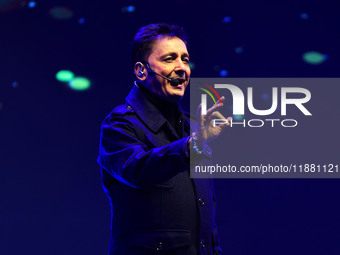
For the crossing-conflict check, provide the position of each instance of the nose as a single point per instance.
(181, 68)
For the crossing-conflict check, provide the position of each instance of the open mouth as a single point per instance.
(180, 80)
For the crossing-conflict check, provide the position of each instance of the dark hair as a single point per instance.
(147, 35)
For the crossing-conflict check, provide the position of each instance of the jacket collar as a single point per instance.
(146, 110)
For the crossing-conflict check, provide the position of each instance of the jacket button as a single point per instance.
(201, 201)
(159, 246)
(203, 244)
(128, 107)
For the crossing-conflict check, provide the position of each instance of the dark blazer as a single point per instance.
(156, 207)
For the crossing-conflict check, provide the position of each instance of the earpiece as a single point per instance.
(140, 66)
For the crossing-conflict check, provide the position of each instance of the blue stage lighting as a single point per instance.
(223, 73)
(238, 50)
(81, 21)
(129, 8)
(32, 4)
(265, 97)
(304, 16)
(226, 19)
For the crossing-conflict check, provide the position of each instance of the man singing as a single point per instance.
(144, 156)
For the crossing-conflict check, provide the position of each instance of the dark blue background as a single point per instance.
(51, 196)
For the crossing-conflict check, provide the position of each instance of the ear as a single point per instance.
(139, 70)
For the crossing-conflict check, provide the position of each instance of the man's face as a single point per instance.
(170, 58)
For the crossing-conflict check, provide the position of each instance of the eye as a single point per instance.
(186, 60)
(169, 59)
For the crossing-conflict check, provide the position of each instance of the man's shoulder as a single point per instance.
(123, 111)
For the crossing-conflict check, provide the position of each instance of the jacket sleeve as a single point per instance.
(216, 244)
(215, 240)
(130, 160)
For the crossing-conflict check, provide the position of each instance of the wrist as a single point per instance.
(197, 147)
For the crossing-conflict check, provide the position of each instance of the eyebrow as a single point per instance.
(175, 53)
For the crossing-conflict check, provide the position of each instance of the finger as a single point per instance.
(217, 117)
(215, 107)
(220, 121)
(199, 113)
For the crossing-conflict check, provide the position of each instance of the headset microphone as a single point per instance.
(173, 82)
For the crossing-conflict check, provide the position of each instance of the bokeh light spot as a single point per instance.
(31, 4)
(15, 84)
(313, 57)
(226, 19)
(224, 73)
(238, 50)
(192, 65)
(238, 117)
(129, 8)
(80, 83)
(8, 5)
(265, 97)
(61, 13)
(4, 2)
(81, 21)
(325, 56)
(64, 75)
(304, 16)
